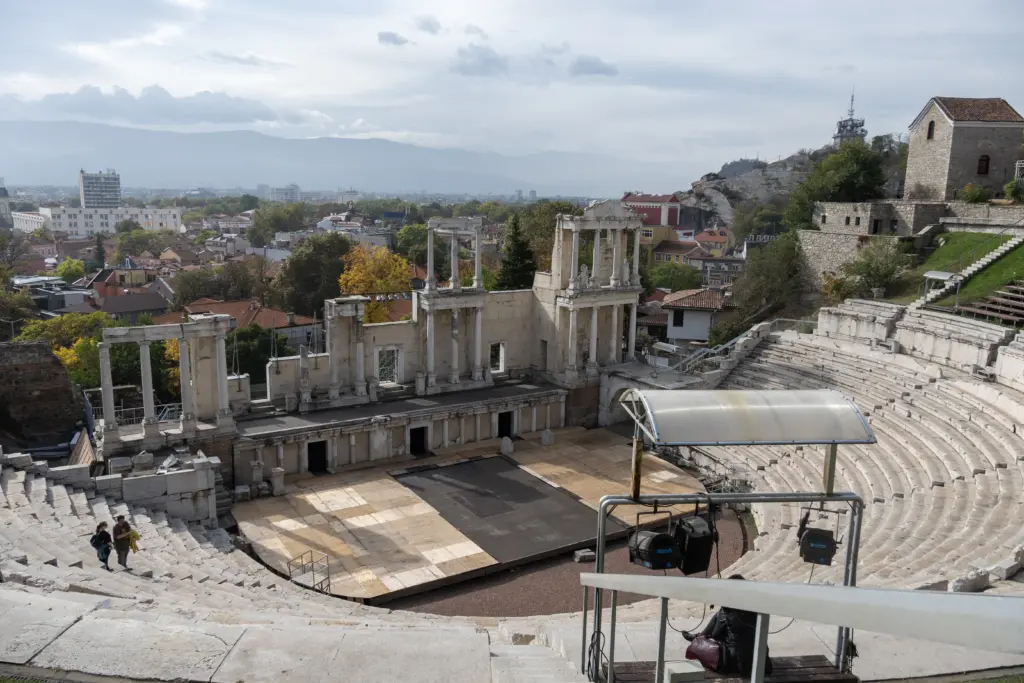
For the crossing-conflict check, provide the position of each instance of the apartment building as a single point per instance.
(100, 190)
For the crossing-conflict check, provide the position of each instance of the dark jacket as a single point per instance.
(119, 529)
(100, 539)
(735, 630)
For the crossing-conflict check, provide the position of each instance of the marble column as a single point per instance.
(148, 408)
(187, 422)
(635, 277)
(280, 454)
(561, 413)
(478, 343)
(596, 259)
(613, 346)
(592, 360)
(476, 427)
(304, 456)
(224, 410)
(330, 324)
(616, 236)
(547, 416)
(107, 384)
(454, 281)
(572, 339)
(352, 447)
(360, 364)
(444, 433)
(478, 277)
(533, 418)
(574, 265)
(431, 377)
(453, 375)
(631, 349)
(429, 284)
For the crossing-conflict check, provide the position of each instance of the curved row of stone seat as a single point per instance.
(942, 494)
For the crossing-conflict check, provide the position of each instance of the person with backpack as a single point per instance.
(102, 542)
(122, 541)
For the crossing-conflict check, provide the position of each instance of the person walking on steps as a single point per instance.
(122, 541)
(101, 542)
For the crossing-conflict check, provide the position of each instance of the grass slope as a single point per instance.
(987, 281)
(957, 251)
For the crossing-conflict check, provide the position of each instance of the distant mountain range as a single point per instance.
(51, 153)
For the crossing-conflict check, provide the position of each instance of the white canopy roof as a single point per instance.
(717, 418)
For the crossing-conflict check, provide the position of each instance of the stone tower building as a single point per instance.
(959, 140)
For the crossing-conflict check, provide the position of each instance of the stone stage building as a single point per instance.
(469, 365)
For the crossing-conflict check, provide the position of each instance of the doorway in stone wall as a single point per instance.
(318, 457)
(505, 424)
(418, 442)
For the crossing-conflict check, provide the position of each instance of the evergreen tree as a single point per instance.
(99, 259)
(517, 264)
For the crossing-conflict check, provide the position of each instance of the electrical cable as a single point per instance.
(718, 569)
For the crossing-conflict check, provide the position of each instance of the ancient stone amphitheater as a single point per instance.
(943, 489)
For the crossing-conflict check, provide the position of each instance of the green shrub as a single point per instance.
(1014, 190)
(973, 194)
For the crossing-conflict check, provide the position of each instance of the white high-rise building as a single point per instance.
(99, 190)
(288, 194)
(77, 222)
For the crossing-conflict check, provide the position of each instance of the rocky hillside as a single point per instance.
(750, 181)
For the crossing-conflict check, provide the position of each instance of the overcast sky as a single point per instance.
(698, 83)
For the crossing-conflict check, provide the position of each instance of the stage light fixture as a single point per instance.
(696, 541)
(817, 546)
(654, 550)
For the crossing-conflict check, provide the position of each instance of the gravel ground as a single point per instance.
(551, 586)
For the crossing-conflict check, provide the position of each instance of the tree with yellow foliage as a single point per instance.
(378, 273)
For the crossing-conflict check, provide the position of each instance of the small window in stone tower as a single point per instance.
(847, 220)
(823, 218)
(497, 361)
(983, 164)
(931, 130)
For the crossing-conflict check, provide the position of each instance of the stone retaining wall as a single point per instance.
(36, 393)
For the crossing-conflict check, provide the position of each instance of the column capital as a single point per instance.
(145, 342)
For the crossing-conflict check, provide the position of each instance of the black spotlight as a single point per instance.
(817, 546)
(654, 550)
(696, 541)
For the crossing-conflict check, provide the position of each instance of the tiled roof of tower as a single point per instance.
(984, 109)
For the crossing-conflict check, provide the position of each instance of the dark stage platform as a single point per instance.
(512, 515)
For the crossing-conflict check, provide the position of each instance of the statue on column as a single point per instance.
(584, 277)
(625, 272)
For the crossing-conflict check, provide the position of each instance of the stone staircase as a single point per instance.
(968, 272)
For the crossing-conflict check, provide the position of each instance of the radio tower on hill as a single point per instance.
(849, 128)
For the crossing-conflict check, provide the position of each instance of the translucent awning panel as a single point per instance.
(707, 418)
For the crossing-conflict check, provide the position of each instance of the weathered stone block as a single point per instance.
(547, 438)
(506, 446)
(72, 475)
(119, 465)
(143, 461)
(242, 494)
(277, 481)
(109, 483)
(974, 581)
(147, 486)
(185, 481)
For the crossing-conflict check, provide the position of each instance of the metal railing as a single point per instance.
(165, 412)
(314, 563)
(978, 622)
(697, 360)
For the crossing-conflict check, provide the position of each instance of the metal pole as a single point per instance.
(583, 640)
(849, 576)
(760, 648)
(659, 672)
(610, 678)
(604, 509)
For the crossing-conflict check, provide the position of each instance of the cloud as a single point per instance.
(189, 4)
(428, 24)
(552, 50)
(161, 36)
(474, 30)
(153, 106)
(586, 65)
(479, 60)
(391, 38)
(247, 59)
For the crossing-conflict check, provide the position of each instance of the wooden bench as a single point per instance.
(806, 669)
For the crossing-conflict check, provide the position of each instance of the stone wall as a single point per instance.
(879, 217)
(825, 252)
(990, 211)
(928, 160)
(188, 493)
(38, 403)
(1002, 145)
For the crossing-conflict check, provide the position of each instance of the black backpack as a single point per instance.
(95, 541)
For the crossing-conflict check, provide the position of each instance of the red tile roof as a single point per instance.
(711, 236)
(650, 198)
(675, 245)
(984, 109)
(657, 295)
(247, 312)
(704, 299)
(653, 319)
